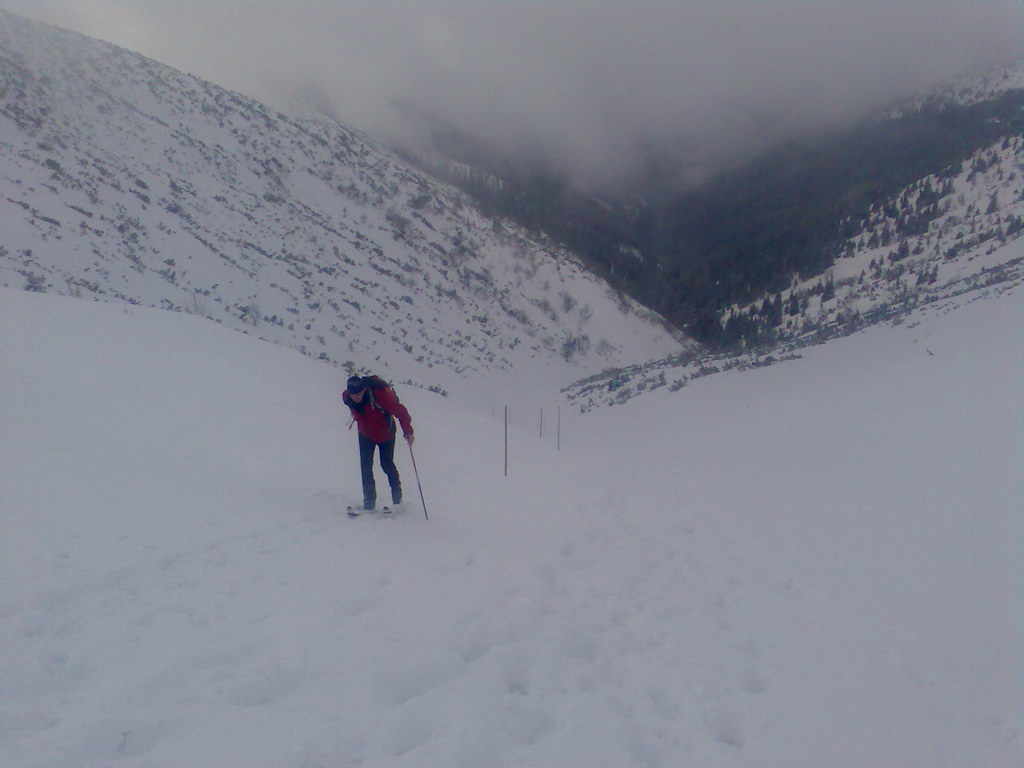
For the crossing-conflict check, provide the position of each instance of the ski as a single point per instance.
(357, 512)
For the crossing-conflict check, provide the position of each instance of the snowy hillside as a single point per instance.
(977, 277)
(815, 564)
(929, 241)
(945, 240)
(124, 180)
(934, 239)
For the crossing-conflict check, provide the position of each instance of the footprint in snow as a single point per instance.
(725, 727)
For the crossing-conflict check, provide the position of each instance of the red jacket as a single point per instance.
(375, 415)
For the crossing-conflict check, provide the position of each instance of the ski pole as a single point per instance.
(418, 484)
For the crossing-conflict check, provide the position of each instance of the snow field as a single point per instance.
(816, 563)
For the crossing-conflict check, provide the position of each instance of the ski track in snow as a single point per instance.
(812, 564)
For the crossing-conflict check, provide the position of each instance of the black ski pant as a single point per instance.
(387, 463)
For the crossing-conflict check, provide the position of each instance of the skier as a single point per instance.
(375, 407)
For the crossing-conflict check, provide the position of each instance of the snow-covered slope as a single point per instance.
(122, 179)
(945, 240)
(932, 240)
(814, 564)
(939, 237)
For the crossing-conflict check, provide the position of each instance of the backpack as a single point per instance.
(375, 382)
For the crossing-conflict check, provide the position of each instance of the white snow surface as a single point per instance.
(812, 564)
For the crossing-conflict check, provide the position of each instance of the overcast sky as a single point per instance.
(590, 81)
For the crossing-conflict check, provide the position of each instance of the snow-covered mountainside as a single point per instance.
(924, 243)
(815, 564)
(947, 239)
(122, 179)
(980, 276)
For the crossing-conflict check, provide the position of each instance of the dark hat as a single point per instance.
(355, 385)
